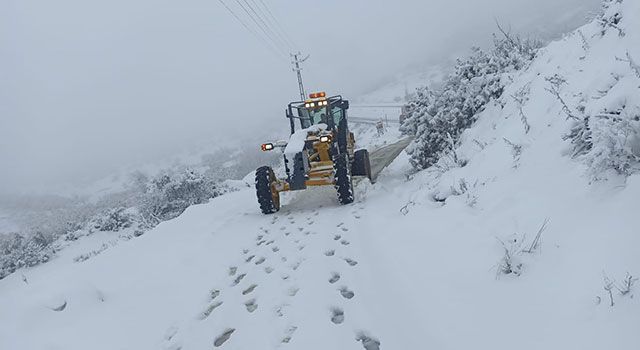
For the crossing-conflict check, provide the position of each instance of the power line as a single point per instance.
(253, 32)
(279, 26)
(266, 25)
(261, 27)
(264, 11)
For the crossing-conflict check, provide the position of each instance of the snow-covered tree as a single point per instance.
(437, 119)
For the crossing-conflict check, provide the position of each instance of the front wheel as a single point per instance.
(268, 195)
(343, 184)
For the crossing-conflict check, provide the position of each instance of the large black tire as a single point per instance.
(268, 197)
(343, 184)
(361, 165)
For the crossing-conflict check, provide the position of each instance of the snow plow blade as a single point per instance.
(383, 156)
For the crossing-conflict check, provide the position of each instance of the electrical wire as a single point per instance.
(259, 16)
(253, 32)
(272, 25)
(262, 29)
(284, 34)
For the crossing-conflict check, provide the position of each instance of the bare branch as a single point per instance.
(556, 81)
(506, 35)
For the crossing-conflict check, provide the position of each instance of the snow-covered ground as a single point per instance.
(414, 263)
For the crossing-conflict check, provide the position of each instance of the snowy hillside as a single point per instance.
(529, 242)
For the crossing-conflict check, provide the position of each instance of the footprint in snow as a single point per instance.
(238, 279)
(340, 224)
(60, 306)
(260, 243)
(336, 237)
(251, 288)
(268, 269)
(233, 270)
(351, 262)
(330, 252)
(284, 259)
(346, 293)
(249, 258)
(280, 310)
(222, 338)
(285, 277)
(260, 261)
(293, 291)
(170, 333)
(207, 312)
(368, 342)
(296, 265)
(301, 247)
(270, 242)
(275, 249)
(300, 229)
(344, 242)
(288, 334)
(335, 277)
(245, 251)
(287, 233)
(337, 315)
(251, 305)
(213, 294)
(344, 229)
(259, 237)
(283, 228)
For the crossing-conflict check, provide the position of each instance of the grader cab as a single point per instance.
(320, 152)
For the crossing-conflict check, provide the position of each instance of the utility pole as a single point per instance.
(296, 68)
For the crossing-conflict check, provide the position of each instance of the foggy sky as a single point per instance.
(89, 86)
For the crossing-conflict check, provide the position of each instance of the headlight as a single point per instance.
(312, 104)
(325, 139)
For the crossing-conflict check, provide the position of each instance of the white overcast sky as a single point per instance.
(89, 86)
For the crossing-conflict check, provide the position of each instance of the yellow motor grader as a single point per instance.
(320, 153)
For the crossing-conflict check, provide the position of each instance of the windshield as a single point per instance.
(310, 117)
(315, 116)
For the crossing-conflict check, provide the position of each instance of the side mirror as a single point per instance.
(344, 104)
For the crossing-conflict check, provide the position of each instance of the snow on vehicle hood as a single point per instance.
(296, 142)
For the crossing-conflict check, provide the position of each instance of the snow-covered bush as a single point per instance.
(168, 194)
(438, 118)
(17, 251)
(114, 220)
(605, 130)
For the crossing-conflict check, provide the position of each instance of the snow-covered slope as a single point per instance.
(415, 263)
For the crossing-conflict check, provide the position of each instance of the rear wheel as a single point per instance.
(268, 196)
(343, 185)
